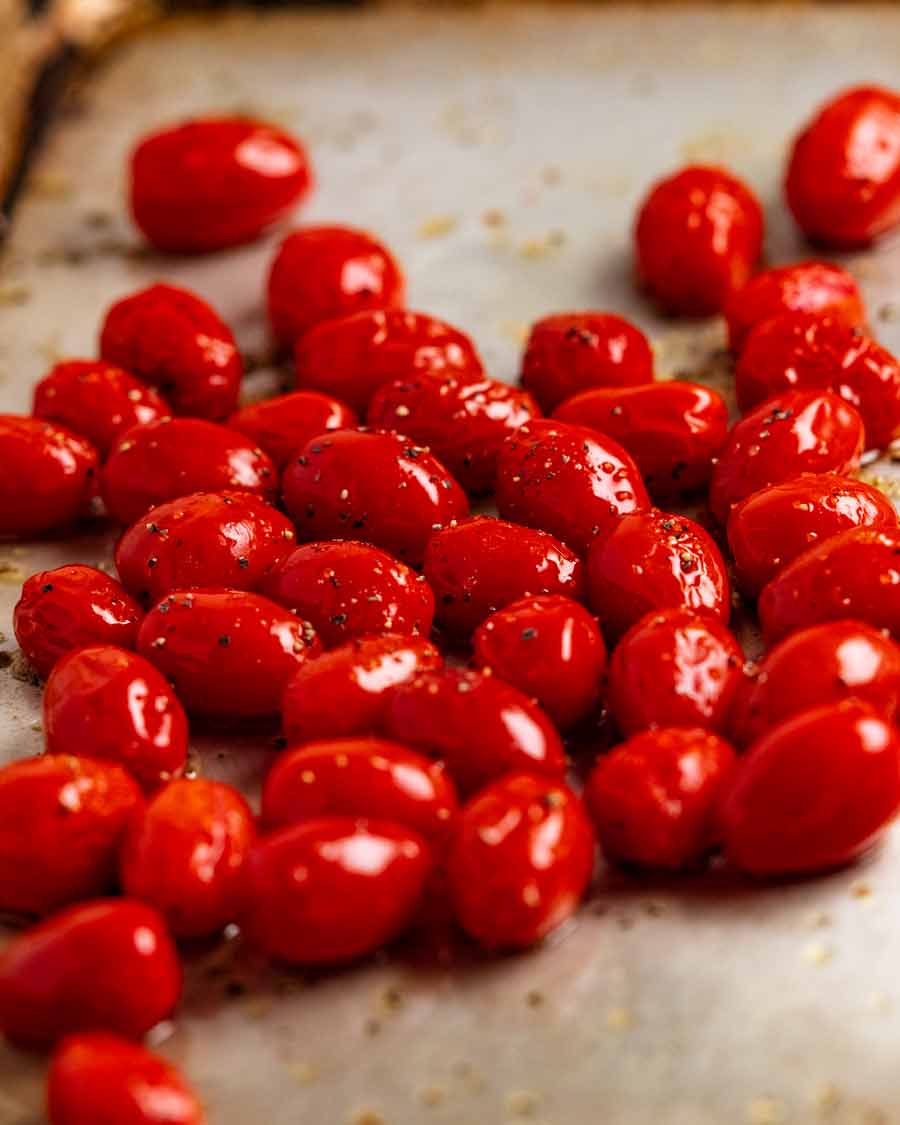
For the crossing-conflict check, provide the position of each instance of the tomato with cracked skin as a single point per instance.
(281, 426)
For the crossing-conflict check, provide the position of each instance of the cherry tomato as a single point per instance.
(281, 426)
(773, 526)
(550, 648)
(175, 342)
(328, 271)
(377, 487)
(346, 590)
(698, 236)
(107, 964)
(814, 792)
(674, 668)
(568, 480)
(228, 653)
(71, 607)
(333, 889)
(520, 861)
(115, 705)
(795, 433)
(654, 798)
(843, 179)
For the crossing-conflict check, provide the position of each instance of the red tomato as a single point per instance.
(281, 426)
(654, 798)
(814, 792)
(377, 487)
(772, 527)
(550, 648)
(228, 653)
(674, 668)
(328, 271)
(107, 964)
(795, 433)
(843, 179)
(333, 889)
(175, 342)
(568, 480)
(346, 590)
(115, 705)
(520, 861)
(71, 607)
(698, 236)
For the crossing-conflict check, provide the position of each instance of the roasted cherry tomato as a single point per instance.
(520, 861)
(346, 590)
(377, 487)
(568, 480)
(113, 704)
(814, 792)
(107, 964)
(674, 668)
(71, 607)
(652, 561)
(698, 236)
(843, 179)
(773, 526)
(281, 426)
(228, 653)
(334, 888)
(654, 798)
(175, 342)
(795, 433)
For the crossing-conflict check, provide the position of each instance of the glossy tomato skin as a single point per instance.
(116, 706)
(568, 480)
(106, 964)
(698, 236)
(333, 889)
(175, 342)
(62, 821)
(784, 437)
(520, 861)
(346, 590)
(377, 487)
(229, 653)
(770, 528)
(654, 798)
(550, 648)
(843, 179)
(674, 668)
(814, 792)
(70, 607)
(281, 426)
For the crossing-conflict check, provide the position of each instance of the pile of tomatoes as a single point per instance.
(310, 563)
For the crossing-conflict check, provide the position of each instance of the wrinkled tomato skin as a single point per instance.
(843, 178)
(814, 792)
(376, 487)
(346, 590)
(228, 653)
(654, 798)
(62, 821)
(698, 236)
(551, 649)
(483, 565)
(674, 668)
(520, 861)
(70, 607)
(106, 964)
(281, 426)
(784, 437)
(770, 528)
(184, 855)
(116, 706)
(568, 480)
(214, 182)
(673, 430)
(175, 342)
(333, 889)
(352, 356)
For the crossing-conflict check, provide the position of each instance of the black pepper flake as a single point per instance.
(153, 528)
(46, 588)
(302, 460)
(338, 619)
(688, 562)
(529, 634)
(152, 562)
(243, 562)
(448, 599)
(334, 580)
(310, 511)
(667, 525)
(224, 640)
